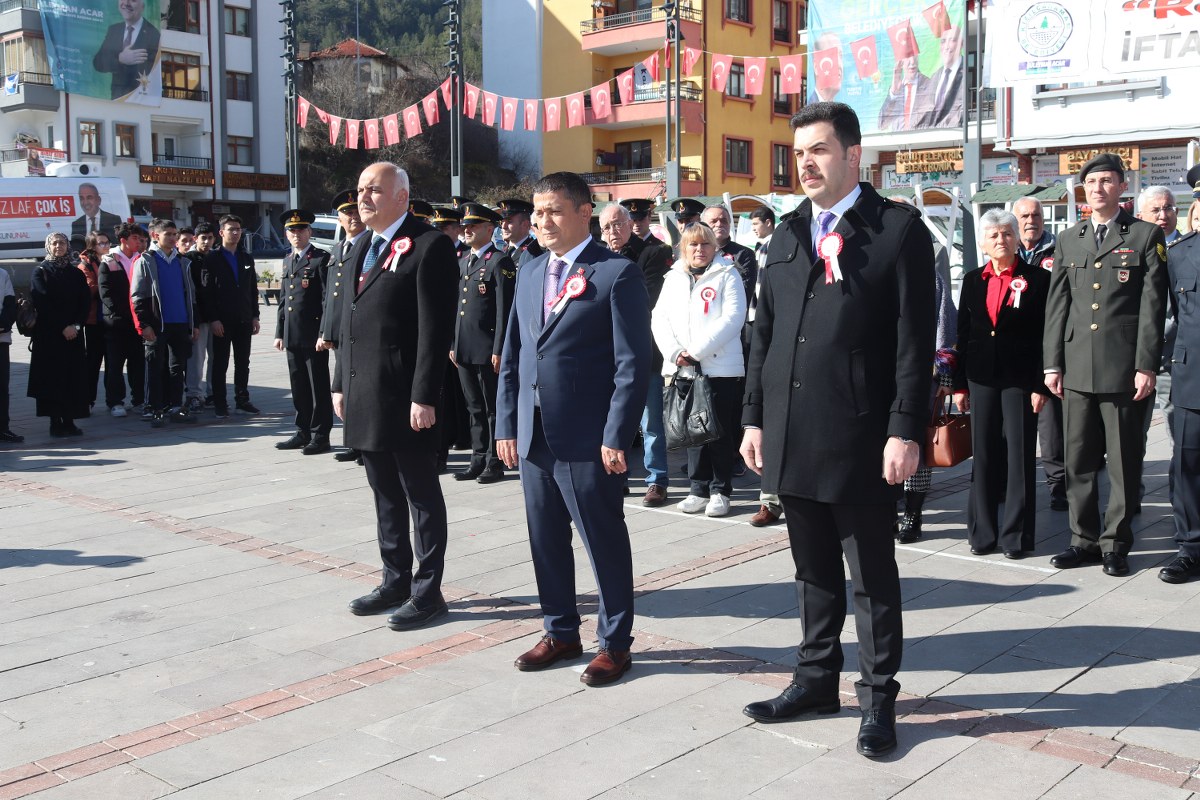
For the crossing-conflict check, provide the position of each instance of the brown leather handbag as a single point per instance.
(948, 438)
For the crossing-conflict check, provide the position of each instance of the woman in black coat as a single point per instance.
(57, 371)
(1001, 314)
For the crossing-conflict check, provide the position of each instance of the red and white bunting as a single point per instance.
(625, 87)
(412, 121)
(508, 113)
(718, 76)
(352, 133)
(335, 128)
(756, 74)
(651, 64)
(447, 88)
(904, 44)
(391, 129)
(602, 101)
(472, 101)
(553, 113)
(575, 115)
(321, 115)
(371, 134)
(430, 104)
(302, 107)
(866, 56)
(691, 57)
(490, 101)
(531, 114)
(791, 74)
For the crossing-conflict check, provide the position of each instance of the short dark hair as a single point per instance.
(840, 115)
(187, 230)
(160, 225)
(763, 213)
(203, 228)
(127, 229)
(568, 183)
(228, 218)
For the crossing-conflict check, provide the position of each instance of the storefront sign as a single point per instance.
(947, 160)
(176, 176)
(1165, 167)
(1070, 162)
(254, 180)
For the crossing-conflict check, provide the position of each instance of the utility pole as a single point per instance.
(457, 167)
(674, 86)
(293, 94)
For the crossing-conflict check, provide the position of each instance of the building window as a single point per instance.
(237, 21)
(737, 156)
(240, 151)
(737, 81)
(634, 155)
(26, 56)
(181, 76)
(184, 15)
(737, 10)
(781, 103)
(89, 138)
(124, 140)
(781, 166)
(237, 86)
(781, 21)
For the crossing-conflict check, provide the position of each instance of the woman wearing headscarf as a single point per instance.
(57, 371)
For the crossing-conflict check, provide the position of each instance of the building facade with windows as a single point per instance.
(214, 145)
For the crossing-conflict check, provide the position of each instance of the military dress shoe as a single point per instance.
(1014, 555)
(319, 444)
(1116, 564)
(377, 602)
(794, 701)
(8, 437)
(607, 667)
(1073, 556)
(1058, 503)
(297, 441)
(546, 652)
(349, 454)
(1179, 570)
(765, 516)
(877, 732)
(470, 473)
(982, 551)
(417, 611)
(490, 475)
(655, 496)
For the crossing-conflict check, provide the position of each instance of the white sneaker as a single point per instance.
(718, 506)
(692, 504)
(117, 411)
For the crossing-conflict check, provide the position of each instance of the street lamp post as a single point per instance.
(454, 23)
(674, 86)
(292, 126)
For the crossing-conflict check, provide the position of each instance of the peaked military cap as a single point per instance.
(473, 213)
(638, 207)
(297, 218)
(511, 206)
(345, 201)
(445, 216)
(687, 207)
(420, 209)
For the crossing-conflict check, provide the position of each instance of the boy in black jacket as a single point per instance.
(229, 303)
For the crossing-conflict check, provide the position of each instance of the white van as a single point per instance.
(327, 234)
(33, 208)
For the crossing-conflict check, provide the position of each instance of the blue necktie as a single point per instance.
(824, 225)
(377, 243)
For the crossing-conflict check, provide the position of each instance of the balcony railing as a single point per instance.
(658, 93)
(174, 93)
(39, 78)
(187, 162)
(11, 153)
(16, 5)
(638, 175)
(610, 21)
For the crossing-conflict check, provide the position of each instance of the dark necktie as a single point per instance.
(1101, 230)
(377, 243)
(128, 37)
(551, 291)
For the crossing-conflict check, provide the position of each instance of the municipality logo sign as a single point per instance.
(1044, 29)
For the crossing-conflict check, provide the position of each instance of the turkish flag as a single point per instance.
(866, 57)
(602, 101)
(791, 74)
(412, 121)
(448, 92)
(904, 45)
(575, 110)
(430, 104)
(391, 129)
(352, 133)
(651, 65)
(718, 76)
(937, 17)
(302, 107)
(531, 114)
(321, 115)
(625, 87)
(827, 64)
(472, 101)
(690, 57)
(553, 112)
(508, 113)
(335, 127)
(490, 101)
(371, 134)
(755, 73)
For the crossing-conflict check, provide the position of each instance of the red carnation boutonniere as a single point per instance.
(400, 247)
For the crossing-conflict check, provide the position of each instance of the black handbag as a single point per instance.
(688, 414)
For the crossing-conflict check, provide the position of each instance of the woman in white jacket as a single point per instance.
(698, 320)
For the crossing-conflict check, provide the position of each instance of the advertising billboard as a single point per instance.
(106, 49)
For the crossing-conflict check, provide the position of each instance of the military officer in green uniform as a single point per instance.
(1102, 349)
(298, 330)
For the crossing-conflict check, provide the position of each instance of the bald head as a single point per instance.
(382, 195)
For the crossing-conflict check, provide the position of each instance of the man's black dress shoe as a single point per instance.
(470, 473)
(490, 475)
(8, 437)
(1073, 556)
(1058, 503)
(416, 611)
(982, 551)
(1116, 564)
(794, 701)
(297, 441)
(877, 732)
(1179, 570)
(377, 602)
(349, 454)
(1014, 555)
(319, 444)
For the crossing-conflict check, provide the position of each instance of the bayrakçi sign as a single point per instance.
(104, 48)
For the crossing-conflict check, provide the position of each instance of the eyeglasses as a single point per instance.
(103, 244)
(1161, 210)
(614, 226)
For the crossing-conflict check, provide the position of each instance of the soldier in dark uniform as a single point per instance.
(515, 222)
(345, 262)
(455, 424)
(1102, 351)
(421, 210)
(486, 281)
(298, 330)
(449, 221)
(686, 211)
(639, 209)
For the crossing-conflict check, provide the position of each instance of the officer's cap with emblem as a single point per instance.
(473, 213)
(445, 216)
(420, 209)
(686, 208)
(1105, 162)
(1193, 180)
(511, 205)
(638, 207)
(345, 201)
(297, 218)
(458, 201)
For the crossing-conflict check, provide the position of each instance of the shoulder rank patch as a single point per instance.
(508, 273)
(1162, 251)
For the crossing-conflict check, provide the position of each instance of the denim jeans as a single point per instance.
(653, 439)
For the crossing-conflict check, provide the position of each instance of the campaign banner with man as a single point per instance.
(107, 49)
(897, 63)
(1044, 41)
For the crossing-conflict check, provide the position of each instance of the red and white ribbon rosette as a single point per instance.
(1018, 286)
(400, 247)
(575, 286)
(829, 248)
(708, 294)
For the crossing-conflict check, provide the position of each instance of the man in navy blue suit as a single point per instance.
(573, 380)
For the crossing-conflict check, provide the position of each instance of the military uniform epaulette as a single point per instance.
(1183, 238)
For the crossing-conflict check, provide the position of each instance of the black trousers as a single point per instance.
(479, 392)
(710, 468)
(236, 338)
(1050, 438)
(166, 365)
(124, 350)
(1003, 435)
(820, 533)
(94, 347)
(308, 371)
(4, 367)
(1099, 426)
(406, 482)
(1185, 475)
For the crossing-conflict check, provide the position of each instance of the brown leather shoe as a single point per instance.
(765, 516)
(546, 652)
(655, 496)
(607, 667)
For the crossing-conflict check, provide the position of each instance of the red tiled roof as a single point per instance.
(349, 48)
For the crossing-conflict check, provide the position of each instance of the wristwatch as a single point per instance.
(78, 328)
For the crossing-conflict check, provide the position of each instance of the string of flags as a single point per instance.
(548, 111)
